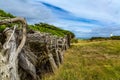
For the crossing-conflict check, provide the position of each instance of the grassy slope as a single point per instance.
(47, 28)
(91, 61)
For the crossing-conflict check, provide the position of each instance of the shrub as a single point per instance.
(115, 37)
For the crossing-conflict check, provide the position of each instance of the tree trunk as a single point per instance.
(9, 66)
(9, 53)
(56, 57)
(51, 59)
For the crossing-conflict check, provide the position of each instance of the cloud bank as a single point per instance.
(83, 17)
(31, 10)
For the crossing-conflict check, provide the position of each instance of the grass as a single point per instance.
(98, 60)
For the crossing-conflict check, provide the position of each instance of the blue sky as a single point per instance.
(86, 18)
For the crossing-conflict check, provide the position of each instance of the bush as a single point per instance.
(100, 38)
(115, 37)
(2, 27)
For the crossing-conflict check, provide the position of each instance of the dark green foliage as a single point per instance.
(100, 38)
(4, 15)
(43, 27)
(106, 38)
(115, 37)
(2, 27)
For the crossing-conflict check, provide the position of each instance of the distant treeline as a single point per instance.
(106, 38)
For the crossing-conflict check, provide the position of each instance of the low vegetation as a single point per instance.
(105, 38)
(47, 28)
(3, 15)
(96, 60)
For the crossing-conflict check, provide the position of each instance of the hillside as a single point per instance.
(96, 60)
(47, 28)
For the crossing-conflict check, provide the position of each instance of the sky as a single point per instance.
(85, 18)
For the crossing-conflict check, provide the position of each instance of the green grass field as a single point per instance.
(97, 60)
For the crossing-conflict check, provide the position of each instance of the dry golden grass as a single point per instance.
(90, 61)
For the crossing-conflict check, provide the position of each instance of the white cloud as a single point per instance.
(104, 11)
(98, 9)
(33, 11)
